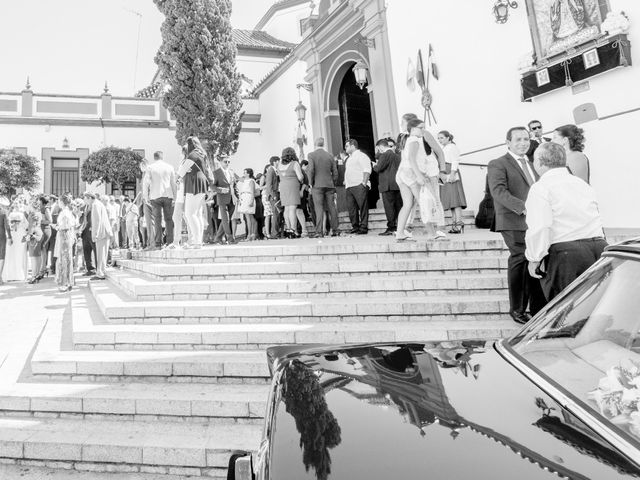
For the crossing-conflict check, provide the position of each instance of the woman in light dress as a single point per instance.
(65, 226)
(248, 190)
(15, 265)
(572, 139)
(418, 169)
(452, 193)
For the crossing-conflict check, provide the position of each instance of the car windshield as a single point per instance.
(588, 342)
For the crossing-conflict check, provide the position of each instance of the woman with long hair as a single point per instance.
(65, 238)
(291, 179)
(195, 189)
(571, 137)
(452, 192)
(247, 202)
(418, 168)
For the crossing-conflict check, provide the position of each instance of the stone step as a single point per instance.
(332, 249)
(262, 336)
(142, 288)
(50, 361)
(125, 447)
(117, 309)
(170, 402)
(378, 221)
(294, 269)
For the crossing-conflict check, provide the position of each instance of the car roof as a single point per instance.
(631, 245)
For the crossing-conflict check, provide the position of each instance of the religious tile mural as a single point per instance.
(560, 25)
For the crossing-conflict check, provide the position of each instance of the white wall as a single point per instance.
(278, 123)
(256, 68)
(478, 95)
(36, 137)
(285, 24)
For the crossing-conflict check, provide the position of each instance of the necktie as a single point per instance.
(525, 169)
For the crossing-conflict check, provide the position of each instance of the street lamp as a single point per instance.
(501, 10)
(301, 111)
(361, 72)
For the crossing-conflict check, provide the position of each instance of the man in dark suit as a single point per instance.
(510, 178)
(223, 184)
(323, 175)
(387, 166)
(88, 245)
(271, 186)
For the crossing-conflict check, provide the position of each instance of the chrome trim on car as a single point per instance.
(585, 415)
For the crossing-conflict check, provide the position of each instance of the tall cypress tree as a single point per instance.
(197, 60)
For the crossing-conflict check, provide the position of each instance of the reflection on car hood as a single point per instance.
(437, 410)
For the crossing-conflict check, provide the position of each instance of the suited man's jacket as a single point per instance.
(100, 224)
(509, 189)
(322, 170)
(220, 181)
(387, 167)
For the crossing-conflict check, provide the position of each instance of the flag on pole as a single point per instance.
(434, 67)
(411, 76)
(420, 78)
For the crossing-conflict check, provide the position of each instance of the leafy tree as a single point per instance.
(197, 60)
(112, 165)
(319, 430)
(17, 170)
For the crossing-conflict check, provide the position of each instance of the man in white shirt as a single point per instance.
(161, 190)
(564, 236)
(356, 182)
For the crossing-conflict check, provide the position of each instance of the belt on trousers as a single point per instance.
(581, 240)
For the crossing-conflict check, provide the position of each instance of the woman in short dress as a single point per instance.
(418, 168)
(452, 192)
(247, 202)
(65, 238)
(291, 179)
(195, 189)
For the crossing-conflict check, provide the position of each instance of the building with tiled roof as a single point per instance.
(259, 40)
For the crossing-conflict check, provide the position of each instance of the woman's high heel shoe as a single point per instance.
(457, 227)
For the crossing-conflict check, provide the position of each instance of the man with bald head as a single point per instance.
(564, 236)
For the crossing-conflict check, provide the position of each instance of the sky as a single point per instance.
(74, 46)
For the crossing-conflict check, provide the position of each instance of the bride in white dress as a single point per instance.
(15, 266)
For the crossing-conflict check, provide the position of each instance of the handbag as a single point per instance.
(485, 217)
(427, 204)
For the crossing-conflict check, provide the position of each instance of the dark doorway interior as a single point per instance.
(356, 122)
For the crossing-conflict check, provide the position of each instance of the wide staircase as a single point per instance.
(161, 369)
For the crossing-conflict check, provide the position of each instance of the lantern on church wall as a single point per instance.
(361, 73)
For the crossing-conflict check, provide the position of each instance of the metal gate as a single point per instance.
(65, 176)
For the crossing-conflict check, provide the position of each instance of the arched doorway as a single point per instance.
(356, 122)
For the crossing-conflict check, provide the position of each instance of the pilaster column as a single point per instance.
(381, 77)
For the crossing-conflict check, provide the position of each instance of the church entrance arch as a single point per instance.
(350, 115)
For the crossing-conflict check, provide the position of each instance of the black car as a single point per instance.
(561, 399)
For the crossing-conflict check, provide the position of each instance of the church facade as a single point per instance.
(556, 61)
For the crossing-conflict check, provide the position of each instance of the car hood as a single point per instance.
(452, 410)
